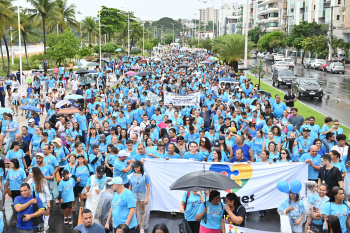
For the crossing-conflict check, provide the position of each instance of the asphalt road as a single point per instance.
(336, 87)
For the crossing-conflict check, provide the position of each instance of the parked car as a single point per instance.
(280, 65)
(278, 57)
(283, 77)
(307, 87)
(336, 67)
(307, 63)
(261, 55)
(253, 55)
(315, 64)
(289, 61)
(269, 58)
(323, 67)
(339, 57)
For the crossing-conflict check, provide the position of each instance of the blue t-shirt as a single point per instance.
(100, 183)
(341, 211)
(83, 172)
(318, 204)
(121, 204)
(16, 178)
(95, 228)
(118, 166)
(138, 183)
(193, 203)
(195, 157)
(47, 170)
(175, 156)
(16, 155)
(26, 225)
(66, 187)
(214, 215)
(313, 174)
(49, 160)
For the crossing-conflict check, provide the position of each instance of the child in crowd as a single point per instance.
(66, 196)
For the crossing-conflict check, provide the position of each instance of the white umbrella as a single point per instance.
(157, 59)
(62, 102)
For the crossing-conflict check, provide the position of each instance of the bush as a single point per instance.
(135, 51)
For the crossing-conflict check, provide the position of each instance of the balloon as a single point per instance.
(283, 186)
(290, 127)
(295, 186)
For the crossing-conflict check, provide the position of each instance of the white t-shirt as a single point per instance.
(75, 85)
(342, 150)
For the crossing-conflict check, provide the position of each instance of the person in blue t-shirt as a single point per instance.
(123, 209)
(66, 196)
(23, 204)
(121, 167)
(314, 161)
(14, 178)
(193, 154)
(191, 200)
(96, 182)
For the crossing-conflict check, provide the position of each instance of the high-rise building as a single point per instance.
(272, 15)
(243, 17)
(208, 14)
(228, 18)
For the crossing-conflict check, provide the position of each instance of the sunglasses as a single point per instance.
(284, 153)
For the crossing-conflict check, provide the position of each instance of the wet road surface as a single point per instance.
(336, 88)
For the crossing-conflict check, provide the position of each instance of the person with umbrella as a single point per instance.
(210, 214)
(191, 201)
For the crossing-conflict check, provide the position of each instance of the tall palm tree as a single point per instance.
(67, 16)
(89, 27)
(6, 20)
(44, 9)
(230, 49)
(28, 33)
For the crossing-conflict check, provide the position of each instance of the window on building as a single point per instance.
(338, 17)
(339, 2)
(314, 7)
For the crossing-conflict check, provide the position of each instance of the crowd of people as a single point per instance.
(95, 157)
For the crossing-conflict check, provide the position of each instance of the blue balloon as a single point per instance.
(283, 186)
(295, 186)
(290, 127)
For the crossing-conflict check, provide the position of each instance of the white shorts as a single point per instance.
(140, 196)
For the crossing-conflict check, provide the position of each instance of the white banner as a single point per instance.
(192, 99)
(235, 229)
(258, 181)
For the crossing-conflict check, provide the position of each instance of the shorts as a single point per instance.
(316, 228)
(67, 205)
(15, 193)
(3, 133)
(77, 190)
(140, 196)
(71, 70)
(42, 106)
(24, 231)
(203, 229)
(8, 87)
(15, 102)
(288, 109)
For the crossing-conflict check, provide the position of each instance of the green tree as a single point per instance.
(168, 39)
(89, 27)
(254, 34)
(6, 20)
(113, 19)
(84, 52)
(258, 69)
(67, 16)
(270, 41)
(62, 46)
(207, 44)
(231, 48)
(44, 9)
(321, 47)
(307, 44)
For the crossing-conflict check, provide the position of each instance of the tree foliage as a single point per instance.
(113, 20)
(254, 34)
(270, 41)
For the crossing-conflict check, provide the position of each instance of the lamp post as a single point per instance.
(11, 46)
(143, 39)
(246, 37)
(20, 46)
(128, 34)
(173, 33)
(81, 34)
(330, 46)
(99, 32)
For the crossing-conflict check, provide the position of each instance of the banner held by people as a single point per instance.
(192, 99)
(235, 229)
(258, 181)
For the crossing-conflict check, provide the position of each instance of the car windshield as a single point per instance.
(288, 60)
(338, 64)
(309, 82)
(280, 63)
(285, 73)
(328, 62)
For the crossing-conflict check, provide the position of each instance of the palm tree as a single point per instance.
(67, 16)
(89, 27)
(28, 33)
(6, 20)
(44, 9)
(230, 49)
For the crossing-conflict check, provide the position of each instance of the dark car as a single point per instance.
(269, 58)
(307, 87)
(283, 77)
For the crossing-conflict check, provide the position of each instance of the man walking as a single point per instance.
(88, 225)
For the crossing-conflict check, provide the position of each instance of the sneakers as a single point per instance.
(70, 221)
(66, 221)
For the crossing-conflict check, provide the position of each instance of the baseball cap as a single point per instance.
(123, 153)
(40, 154)
(222, 138)
(100, 170)
(137, 164)
(80, 156)
(116, 180)
(227, 118)
(253, 120)
(31, 120)
(306, 129)
(65, 172)
(216, 144)
(142, 104)
(212, 127)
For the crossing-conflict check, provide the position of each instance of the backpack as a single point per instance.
(187, 196)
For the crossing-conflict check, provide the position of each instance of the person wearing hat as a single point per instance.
(306, 141)
(96, 181)
(121, 167)
(31, 126)
(66, 196)
(61, 152)
(123, 209)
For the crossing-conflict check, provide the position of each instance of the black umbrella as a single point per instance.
(204, 180)
(82, 72)
(184, 66)
(143, 73)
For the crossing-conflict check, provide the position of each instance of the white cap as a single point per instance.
(123, 153)
(31, 120)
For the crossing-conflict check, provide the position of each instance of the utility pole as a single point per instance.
(222, 18)
(12, 46)
(331, 36)
(246, 37)
(161, 35)
(143, 39)
(173, 32)
(128, 34)
(213, 18)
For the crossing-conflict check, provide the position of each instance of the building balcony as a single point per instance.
(269, 20)
(269, 10)
(272, 29)
(263, 3)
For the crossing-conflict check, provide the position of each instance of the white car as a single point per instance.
(280, 65)
(315, 64)
(289, 61)
(261, 55)
(336, 67)
(278, 57)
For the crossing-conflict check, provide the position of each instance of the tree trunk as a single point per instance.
(90, 40)
(234, 65)
(302, 58)
(25, 49)
(2, 56)
(8, 55)
(44, 34)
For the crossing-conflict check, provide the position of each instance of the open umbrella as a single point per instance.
(157, 59)
(131, 73)
(135, 68)
(180, 56)
(5, 110)
(143, 73)
(30, 108)
(37, 73)
(67, 111)
(92, 64)
(73, 97)
(118, 50)
(204, 180)
(184, 66)
(144, 60)
(92, 71)
(82, 72)
(214, 58)
(62, 103)
(205, 62)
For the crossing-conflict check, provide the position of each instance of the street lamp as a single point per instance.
(173, 32)
(330, 48)
(20, 46)
(246, 37)
(81, 35)
(143, 39)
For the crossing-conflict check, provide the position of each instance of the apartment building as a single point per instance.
(243, 17)
(228, 18)
(208, 14)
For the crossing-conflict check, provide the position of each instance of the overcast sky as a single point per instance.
(145, 9)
